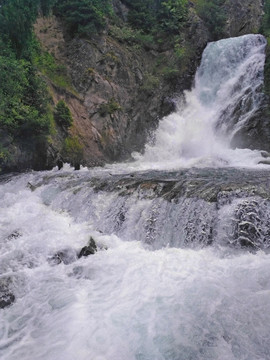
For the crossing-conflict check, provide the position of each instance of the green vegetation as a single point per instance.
(62, 115)
(266, 31)
(24, 109)
(72, 150)
(109, 108)
(154, 16)
(84, 17)
(212, 13)
(46, 64)
(16, 21)
(151, 82)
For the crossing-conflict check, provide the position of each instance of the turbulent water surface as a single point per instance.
(182, 270)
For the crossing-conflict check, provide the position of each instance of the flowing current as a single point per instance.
(182, 267)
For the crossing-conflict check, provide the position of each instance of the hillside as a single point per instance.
(116, 71)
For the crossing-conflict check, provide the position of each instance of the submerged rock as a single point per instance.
(90, 249)
(265, 154)
(6, 296)
(65, 256)
(264, 162)
(14, 235)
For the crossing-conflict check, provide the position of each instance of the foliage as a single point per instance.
(47, 65)
(62, 114)
(213, 15)
(132, 36)
(84, 17)
(266, 31)
(16, 21)
(46, 6)
(266, 19)
(141, 14)
(23, 100)
(150, 83)
(173, 13)
(72, 150)
(154, 16)
(109, 108)
(24, 117)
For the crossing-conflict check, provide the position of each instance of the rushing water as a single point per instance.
(182, 270)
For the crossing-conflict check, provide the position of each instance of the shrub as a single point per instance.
(62, 115)
(72, 150)
(109, 108)
(150, 83)
(84, 17)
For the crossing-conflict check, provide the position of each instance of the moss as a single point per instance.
(48, 66)
(110, 56)
(90, 71)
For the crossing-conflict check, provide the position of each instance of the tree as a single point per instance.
(62, 115)
(16, 22)
(84, 17)
(213, 15)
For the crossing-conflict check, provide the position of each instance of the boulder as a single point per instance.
(65, 256)
(6, 296)
(90, 249)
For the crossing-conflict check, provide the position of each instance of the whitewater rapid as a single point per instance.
(128, 302)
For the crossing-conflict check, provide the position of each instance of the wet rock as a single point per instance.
(65, 256)
(59, 164)
(77, 166)
(6, 299)
(265, 154)
(14, 235)
(6, 296)
(264, 162)
(31, 187)
(90, 249)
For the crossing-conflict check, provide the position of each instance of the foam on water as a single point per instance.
(124, 303)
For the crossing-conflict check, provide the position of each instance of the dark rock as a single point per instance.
(77, 166)
(59, 164)
(6, 299)
(90, 249)
(6, 296)
(14, 235)
(31, 187)
(65, 256)
(264, 162)
(265, 154)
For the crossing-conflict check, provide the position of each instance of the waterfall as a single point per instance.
(226, 95)
(182, 268)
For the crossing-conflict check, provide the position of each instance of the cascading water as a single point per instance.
(182, 270)
(227, 93)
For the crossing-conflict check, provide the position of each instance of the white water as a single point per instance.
(230, 76)
(132, 302)
(127, 302)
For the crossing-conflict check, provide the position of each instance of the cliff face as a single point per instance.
(243, 17)
(123, 88)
